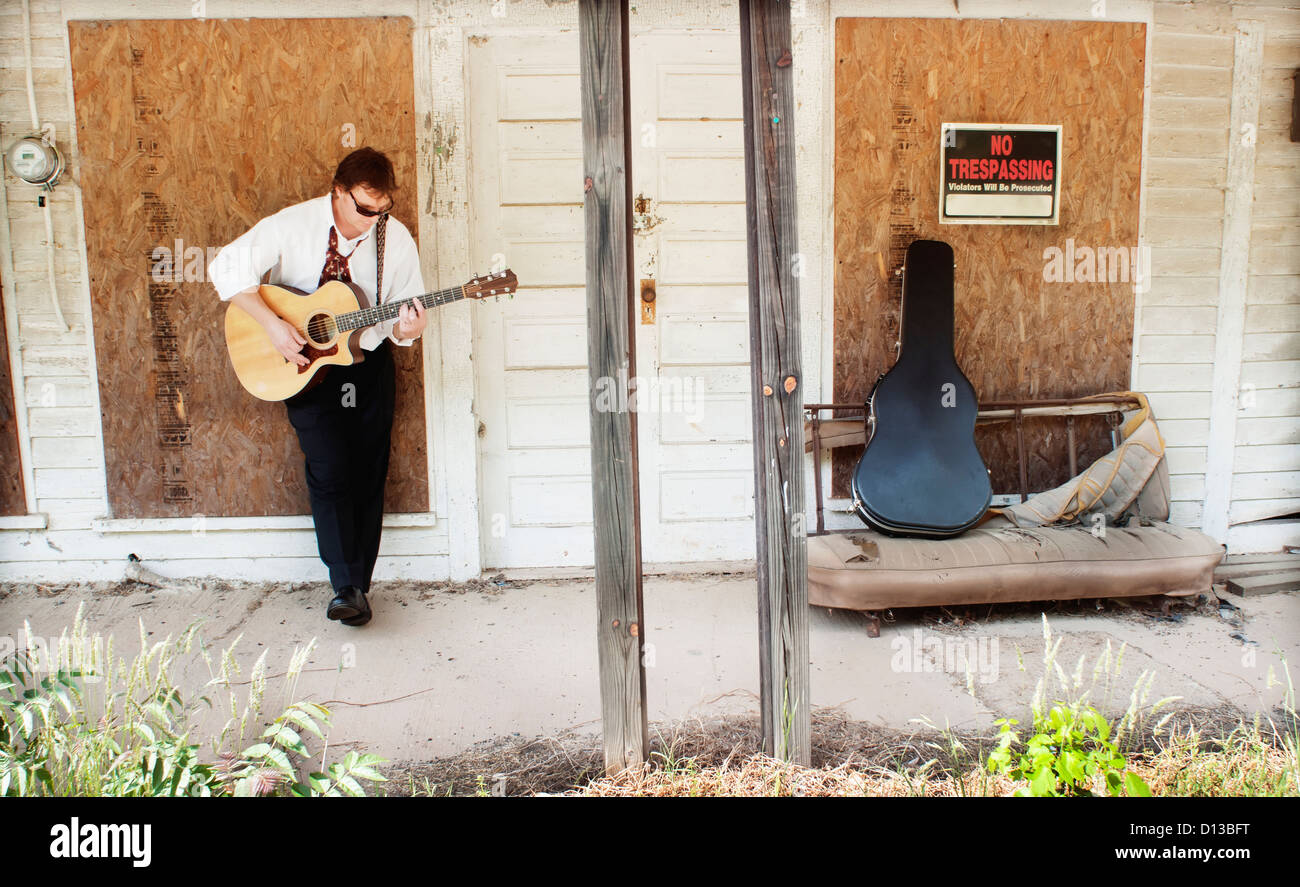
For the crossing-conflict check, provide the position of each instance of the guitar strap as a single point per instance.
(380, 227)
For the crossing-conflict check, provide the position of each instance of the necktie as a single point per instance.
(336, 265)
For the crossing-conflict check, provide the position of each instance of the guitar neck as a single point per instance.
(355, 320)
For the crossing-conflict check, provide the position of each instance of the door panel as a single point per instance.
(530, 354)
(697, 486)
(531, 351)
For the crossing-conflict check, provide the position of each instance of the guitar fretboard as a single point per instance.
(355, 320)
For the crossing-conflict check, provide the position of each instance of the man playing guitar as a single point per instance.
(344, 423)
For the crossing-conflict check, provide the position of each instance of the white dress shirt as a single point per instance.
(292, 245)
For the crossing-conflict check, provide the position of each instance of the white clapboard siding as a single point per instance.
(1266, 458)
(75, 514)
(1266, 462)
(1246, 510)
(1268, 431)
(1191, 291)
(1169, 405)
(55, 452)
(58, 391)
(1189, 461)
(1185, 514)
(1165, 349)
(1185, 171)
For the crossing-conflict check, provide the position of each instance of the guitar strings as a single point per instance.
(370, 316)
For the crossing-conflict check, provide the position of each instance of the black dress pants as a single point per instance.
(344, 426)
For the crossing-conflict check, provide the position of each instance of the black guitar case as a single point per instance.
(921, 474)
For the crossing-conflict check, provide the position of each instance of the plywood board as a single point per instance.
(190, 131)
(1017, 335)
(13, 499)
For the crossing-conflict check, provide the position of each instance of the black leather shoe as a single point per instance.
(349, 606)
(362, 618)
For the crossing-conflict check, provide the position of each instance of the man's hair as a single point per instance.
(366, 166)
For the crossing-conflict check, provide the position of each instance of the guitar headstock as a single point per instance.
(499, 283)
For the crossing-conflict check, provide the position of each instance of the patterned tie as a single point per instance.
(336, 265)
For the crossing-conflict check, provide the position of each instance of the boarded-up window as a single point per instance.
(189, 132)
(1017, 335)
(13, 500)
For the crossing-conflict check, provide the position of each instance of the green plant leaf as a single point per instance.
(352, 787)
(281, 760)
(259, 750)
(1112, 782)
(1135, 786)
(319, 712)
(1071, 767)
(1043, 782)
(288, 737)
(304, 721)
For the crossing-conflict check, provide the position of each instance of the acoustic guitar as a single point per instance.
(330, 320)
(921, 474)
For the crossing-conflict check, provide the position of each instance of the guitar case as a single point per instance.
(921, 474)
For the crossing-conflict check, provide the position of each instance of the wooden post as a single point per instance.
(1234, 279)
(776, 377)
(611, 356)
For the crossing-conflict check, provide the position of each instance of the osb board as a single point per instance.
(13, 499)
(192, 131)
(1017, 337)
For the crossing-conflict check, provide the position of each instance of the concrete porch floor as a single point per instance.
(441, 667)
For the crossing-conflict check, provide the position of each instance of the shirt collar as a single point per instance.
(328, 202)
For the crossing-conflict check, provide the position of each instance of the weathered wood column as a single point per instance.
(776, 378)
(611, 356)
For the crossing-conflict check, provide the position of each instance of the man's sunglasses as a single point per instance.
(371, 213)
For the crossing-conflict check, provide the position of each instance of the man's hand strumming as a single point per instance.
(287, 340)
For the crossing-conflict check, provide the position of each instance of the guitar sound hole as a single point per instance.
(321, 328)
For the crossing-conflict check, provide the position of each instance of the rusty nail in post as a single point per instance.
(790, 383)
(781, 442)
(616, 623)
(586, 186)
(632, 629)
(767, 390)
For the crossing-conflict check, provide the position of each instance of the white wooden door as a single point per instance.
(688, 165)
(525, 167)
(530, 352)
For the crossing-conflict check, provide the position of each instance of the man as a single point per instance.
(344, 422)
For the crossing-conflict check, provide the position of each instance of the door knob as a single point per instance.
(647, 300)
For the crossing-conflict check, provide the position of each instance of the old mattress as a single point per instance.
(998, 561)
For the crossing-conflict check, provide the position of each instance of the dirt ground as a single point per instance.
(491, 686)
